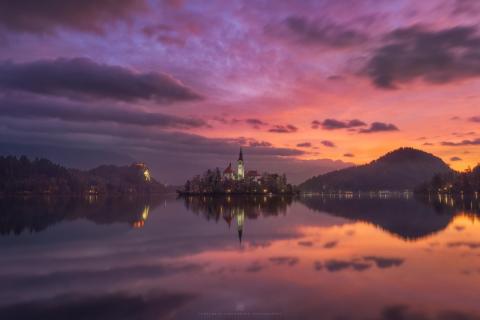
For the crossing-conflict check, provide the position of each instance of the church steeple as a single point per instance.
(240, 166)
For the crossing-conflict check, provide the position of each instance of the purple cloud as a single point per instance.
(379, 127)
(304, 31)
(434, 56)
(328, 143)
(333, 124)
(304, 145)
(283, 129)
(84, 78)
(48, 15)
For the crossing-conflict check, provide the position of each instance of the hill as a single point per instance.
(41, 176)
(401, 169)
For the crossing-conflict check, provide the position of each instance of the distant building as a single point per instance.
(142, 166)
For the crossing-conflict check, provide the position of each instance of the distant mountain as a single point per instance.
(401, 169)
(41, 176)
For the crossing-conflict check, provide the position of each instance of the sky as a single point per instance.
(303, 87)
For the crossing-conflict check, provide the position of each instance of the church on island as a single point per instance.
(230, 174)
(236, 181)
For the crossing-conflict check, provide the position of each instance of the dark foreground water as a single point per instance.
(239, 258)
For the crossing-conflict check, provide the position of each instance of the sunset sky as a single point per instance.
(303, 86)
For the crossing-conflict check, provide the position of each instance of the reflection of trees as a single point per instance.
(34, 214)
(238, 208)
(407, 218)
(465, 204)
(228, 206)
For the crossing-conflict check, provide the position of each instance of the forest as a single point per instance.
(22, 176)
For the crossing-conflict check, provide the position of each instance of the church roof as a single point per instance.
(240, 156)
(228, 169)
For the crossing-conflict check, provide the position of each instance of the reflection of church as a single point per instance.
(230, 174)
(237, 209)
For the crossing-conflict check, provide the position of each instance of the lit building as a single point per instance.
(240, 166)
(142, 166)
(228, 172)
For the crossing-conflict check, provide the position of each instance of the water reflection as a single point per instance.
(35, 214)
(406, 218)
(299, 258)
(238, 208)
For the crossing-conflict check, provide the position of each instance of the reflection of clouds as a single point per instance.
(93, 278)
(350, 232)
(119, 306)
(339, 265)
(357, 264)
(383, 262)
(305, 243)
(289, 261)
(459, 228)
(466, 244)
(403, 312)
(255, 266)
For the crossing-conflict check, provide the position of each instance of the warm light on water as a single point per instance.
(307, 259)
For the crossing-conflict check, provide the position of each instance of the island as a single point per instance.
(237, 182)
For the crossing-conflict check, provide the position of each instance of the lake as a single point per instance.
(261, 257)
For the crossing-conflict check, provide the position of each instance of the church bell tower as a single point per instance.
(240, 166)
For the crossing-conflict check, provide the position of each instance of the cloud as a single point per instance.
(348, 155)
(256, 123)
(165, 34)
(333, 124)
(284, 260)
(304, 145)
(305, 243)
(379, 127)
(328, 143)
(383, 262)
(462, 143)
(283, 129)
(82, 78)
(303, 31)
(474, 119)
(90, 113)
(455, 159)
(434, 56)
(315, 124)
(330, 244)
(46, 16)
(428, 144)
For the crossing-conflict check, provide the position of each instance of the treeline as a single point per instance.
(212, 182)
(453, 183)
(41, 176)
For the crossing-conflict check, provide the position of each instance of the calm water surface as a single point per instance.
(239, 258)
